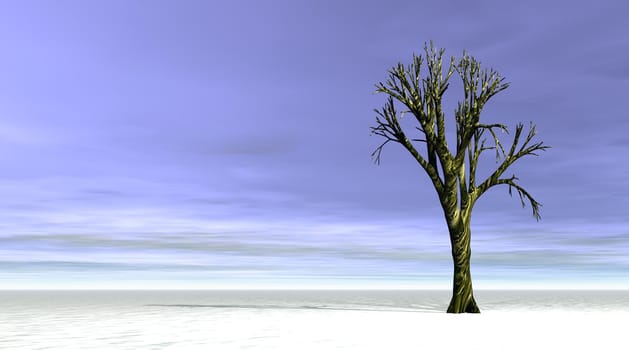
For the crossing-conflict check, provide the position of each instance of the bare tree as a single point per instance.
(405, 85)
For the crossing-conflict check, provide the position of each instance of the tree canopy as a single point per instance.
(423, 98)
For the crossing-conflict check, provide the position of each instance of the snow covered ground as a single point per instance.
(205, 320)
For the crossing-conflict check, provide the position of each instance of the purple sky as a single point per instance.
(207, 144)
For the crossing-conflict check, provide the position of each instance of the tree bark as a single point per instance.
(462, 294)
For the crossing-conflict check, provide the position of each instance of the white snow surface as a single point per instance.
(170, 320)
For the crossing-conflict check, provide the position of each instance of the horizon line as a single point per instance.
(314, 289)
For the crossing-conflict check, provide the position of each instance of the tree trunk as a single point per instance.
(462, 294)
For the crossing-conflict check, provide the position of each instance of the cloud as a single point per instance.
(253, 145)
(622, 141)
(22, 134)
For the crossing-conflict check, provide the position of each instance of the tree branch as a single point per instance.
(523, 193)
(468, 113)
(434, 88)
(391, 130)
(404, 85)
(511, 157)
(497, 142)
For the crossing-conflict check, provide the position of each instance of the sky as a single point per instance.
(207, 144)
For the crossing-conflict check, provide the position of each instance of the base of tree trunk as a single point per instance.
(463, 304)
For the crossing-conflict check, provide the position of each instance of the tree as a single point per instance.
(405, 86)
